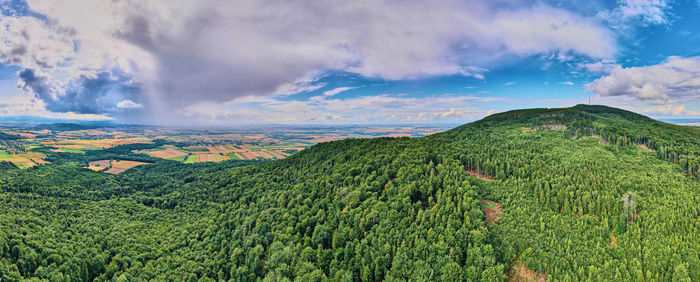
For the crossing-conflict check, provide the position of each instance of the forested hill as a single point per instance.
(581, 193)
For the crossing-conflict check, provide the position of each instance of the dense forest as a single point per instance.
(581, 193)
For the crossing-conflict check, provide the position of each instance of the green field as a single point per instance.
(191, 159)
(74, 151)
(233, 156)
(219, 157)
(4, 154)
(179, 159)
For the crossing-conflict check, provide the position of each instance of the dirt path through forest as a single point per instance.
(478, 175)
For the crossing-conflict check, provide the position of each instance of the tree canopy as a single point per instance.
(583, 193)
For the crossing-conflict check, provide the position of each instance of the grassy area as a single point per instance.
(4, 154)
(233, 156)
(191, 159)
(74, 151)
(219, 157)
(93, 148)
(179, 159)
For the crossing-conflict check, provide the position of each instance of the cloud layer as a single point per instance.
(322, 108)
(677, 80)
(89, 57)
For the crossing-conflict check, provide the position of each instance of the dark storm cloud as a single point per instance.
(84, 95)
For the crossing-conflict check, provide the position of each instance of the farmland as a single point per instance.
(24, 159)
(31, 145)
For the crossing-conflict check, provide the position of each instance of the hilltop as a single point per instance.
(580, 193)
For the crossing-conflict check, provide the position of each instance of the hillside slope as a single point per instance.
(588, 193)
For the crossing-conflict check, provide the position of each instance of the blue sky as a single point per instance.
(359, 62)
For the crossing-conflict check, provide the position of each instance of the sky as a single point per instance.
(207, 62)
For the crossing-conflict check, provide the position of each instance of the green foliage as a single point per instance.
(178, 159)
(191, 159)
(580, 199)
(5, 136)
(72, 151)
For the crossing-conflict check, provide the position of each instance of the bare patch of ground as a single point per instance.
(493, 211)
(645, 147)
(520, 272)
(613, 240)
(478, 175)
(166, 154)
(554, 126)
(602, 141)
(121, 166)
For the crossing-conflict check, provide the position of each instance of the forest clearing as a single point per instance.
(113, 166)
(493, 211)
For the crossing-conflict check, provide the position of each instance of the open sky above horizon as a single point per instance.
(344, 62)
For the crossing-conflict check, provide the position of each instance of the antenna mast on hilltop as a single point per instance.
(589, 99)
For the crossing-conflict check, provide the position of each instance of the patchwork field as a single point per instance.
(81, 144)
(23, 160)
(183, 145)
(218, 153)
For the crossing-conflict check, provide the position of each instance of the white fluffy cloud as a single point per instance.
(184, 52)
(128, 104)
(676, 80)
